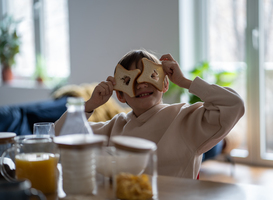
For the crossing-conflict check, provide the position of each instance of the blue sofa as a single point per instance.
(20, 118)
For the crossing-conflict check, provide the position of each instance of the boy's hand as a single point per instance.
(101, 94)
(172, 69)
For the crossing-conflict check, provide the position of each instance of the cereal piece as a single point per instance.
(131, 187)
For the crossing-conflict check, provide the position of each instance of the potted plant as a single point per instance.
(9, 46)
(40, 73)
(203, 70)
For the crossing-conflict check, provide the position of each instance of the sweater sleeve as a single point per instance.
(212, 121)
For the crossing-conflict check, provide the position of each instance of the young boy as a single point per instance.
(182, 132)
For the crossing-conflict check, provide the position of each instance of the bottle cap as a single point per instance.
(80, 141)
(133, 144)
(75, 101)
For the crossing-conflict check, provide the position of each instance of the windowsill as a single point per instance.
(242, 153)
(24, 83)
(22, 91)
(28, 84)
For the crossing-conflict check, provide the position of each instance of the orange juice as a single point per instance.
(40, 169)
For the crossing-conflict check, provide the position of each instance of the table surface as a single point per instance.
(188, 189)
(170, 188)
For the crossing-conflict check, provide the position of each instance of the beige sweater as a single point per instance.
(182, 132)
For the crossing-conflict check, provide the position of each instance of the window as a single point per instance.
(226, 49)
(267, 82)
(45, 39)
(236, 35)
(56, 38)
(240, 37)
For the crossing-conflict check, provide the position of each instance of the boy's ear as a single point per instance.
(120, 96)
(166, 85)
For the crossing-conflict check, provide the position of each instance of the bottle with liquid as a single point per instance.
(75, 122)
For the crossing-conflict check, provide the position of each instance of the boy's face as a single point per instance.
(146, 97)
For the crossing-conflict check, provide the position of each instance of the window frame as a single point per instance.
(254, 57)
(39, 50)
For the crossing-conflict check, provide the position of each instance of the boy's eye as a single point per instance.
(126, 80)
(155, 75)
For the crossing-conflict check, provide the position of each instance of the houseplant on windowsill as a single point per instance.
(40, 73)
(9, 46)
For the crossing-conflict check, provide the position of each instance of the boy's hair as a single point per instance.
(134, 56)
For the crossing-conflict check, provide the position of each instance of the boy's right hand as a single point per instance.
(101, 94)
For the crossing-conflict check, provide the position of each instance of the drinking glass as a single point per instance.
(44, 128)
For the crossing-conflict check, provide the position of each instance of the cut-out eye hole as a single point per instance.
(126, 80)
(155, 75)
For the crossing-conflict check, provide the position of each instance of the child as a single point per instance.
(182, 132)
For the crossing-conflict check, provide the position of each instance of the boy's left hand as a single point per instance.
(172, 69)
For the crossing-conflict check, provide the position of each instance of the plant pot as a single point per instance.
(7, 75)
(39, 79)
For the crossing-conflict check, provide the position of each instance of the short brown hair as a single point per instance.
(134, 56)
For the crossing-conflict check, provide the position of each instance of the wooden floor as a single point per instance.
(224, 172)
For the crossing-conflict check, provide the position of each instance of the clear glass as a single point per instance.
(76, 121)
(268, 72)
(226, 33)
(44, 128)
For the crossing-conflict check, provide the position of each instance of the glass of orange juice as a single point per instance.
(34, 158)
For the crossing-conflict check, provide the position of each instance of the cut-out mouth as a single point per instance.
(144, 94)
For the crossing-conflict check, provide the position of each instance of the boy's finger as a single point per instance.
(110, 86)
(104, 88)
(166, 57)
(112, 79)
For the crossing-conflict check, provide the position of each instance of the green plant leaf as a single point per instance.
(194, 99)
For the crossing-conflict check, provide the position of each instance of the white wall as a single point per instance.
(101, 32)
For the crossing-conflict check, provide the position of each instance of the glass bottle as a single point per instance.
(76, 121)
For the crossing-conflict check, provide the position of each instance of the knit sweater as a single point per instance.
(181, 131)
